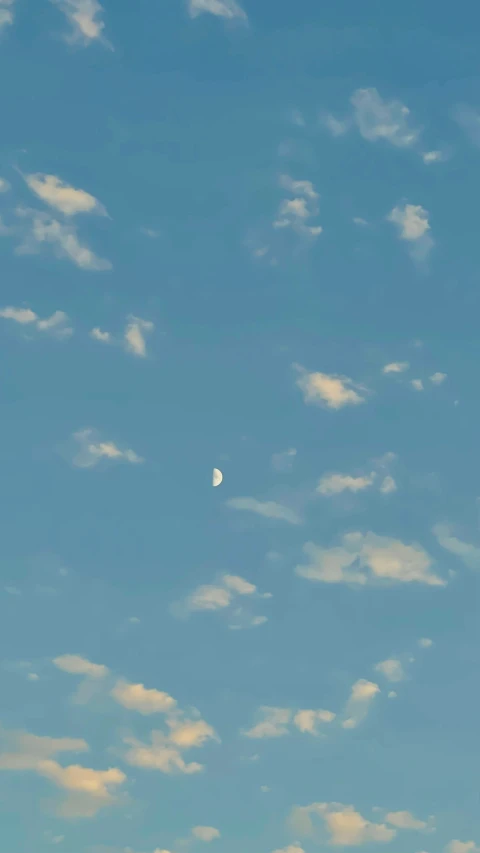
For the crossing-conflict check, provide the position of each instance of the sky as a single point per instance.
(241, 236)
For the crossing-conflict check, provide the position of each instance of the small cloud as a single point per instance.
(136, 697)
(62, 196)
(413, 226)
(4, 185)
(165, 751)
(361, 697)
(283, 461)
(391, 669)
(469, 120)
(228, 9)
(334, 484)
(308, 721)
(57, 325)
(417, 384)
(6, 14)
(265, 789)
(267, 509)
(462, 847)
(337, 127)
(333, 391)
(98, 335)
(470, 554)
(396, 367)
(429, 157)
(273, 723)
(392, 694)
(405, 820)
(224, 596)
(62, 237)
(85, 18)
(358, 220)
(135, 336)
(12, 590)
(425, 643)
(77, 665)
(91, 452)
(388, 485)
(345, 826)
(438, 378)
(295, 212)
(378, 119)
(32, 676)
(205, 833)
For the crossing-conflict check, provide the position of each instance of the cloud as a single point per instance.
(388, 485)
(267, 509)
(165, 751)
(438, 378)
(429, 157)
(307, 721)
(62, 196)
(413, 226)
(290, 848)
(228, 9)
(425, 643)
(337, 127)
(98, 335)
(27, 750)
(91, 452)
(365, 558)
(205, 833)
(56, 325)
(6, 13)
(396, 367)
(405, 820)
(469, 120)
(77, 665)
(346, 827)
(456, 846)
(223, 596)
(136, 697)
(392, 669)
(362, 694)
(62, 237)
(417, 384)
(470, 554)
(379, 119)
(295, 212)
(134, 336)
(274, 723)
(85, 18)
(330, 390)
(334, 484)
(283, 461)
(4, 185)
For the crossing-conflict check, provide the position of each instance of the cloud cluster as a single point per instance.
(276, 722)
(296, 212)
(411, 221)
(230, 594)
(58, 324)
(134, 337)
(346, 827)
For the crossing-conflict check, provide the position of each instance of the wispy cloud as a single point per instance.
(362, 694)
(334, 484)
(91, 451)
(205, 833)
(438, 378)
(277, 722)
(346, 827)
(134, 336)
(6, 13)
(98, 335)
(392, 669)
(329, 390)
(267, 509)
(284, 460)
(396, 367)
(85, 18)
(78, 665)
(228, 9)
(468, 119)
(230, 594)
(470, 554)
(377, 119)
(43, 230)
(61, 196)
(57, 324)
(4, 184)
(165, 752)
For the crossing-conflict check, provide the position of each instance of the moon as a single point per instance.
(217, 477)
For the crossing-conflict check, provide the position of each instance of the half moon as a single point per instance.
(217, 477)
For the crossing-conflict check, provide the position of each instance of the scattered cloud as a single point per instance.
(412, 224)
(283, 461)
(62, 196)
(365, 558)
(334, 484)
(136, 697)
(337, 127)
(438, 378)
(332, 391)
(77, 665)
(232, 594)
(456, 846)
(405, 820)
(425, 643)
(57, 324)
(42, 230)
(345, 826)
(205, 833)
(430, 157)
(308, 721)
(297, 211)
(362, 694)
(391, 669)
(388, 485)
(378, 119)
(417, 384)
(6, 15)
(135, 335)
(98, 335)
(396, 367)
(85, 18)
(4, 185)
(164, 753)
(470, 554)
(228, 9)
(273, 723)
(91, 451)
(267, 509)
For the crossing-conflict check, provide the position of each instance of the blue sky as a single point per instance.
(241, 236)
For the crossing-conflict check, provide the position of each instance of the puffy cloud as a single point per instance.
(91, 452)
(405, 820)
(134, 336)
(413, 226)
(224, 596)
(136, 697)
(27, 750)
(334, 484)
(456, 846)
(98, 335)
(283, 461)
(392, 669)
(438, 378)
(77, 665)
(85, 18)
(43, 230)
(209, 597)
(362, 694)
(57, 324)
(24, 316)
(308, 721)
(295, 212)
(189, 733)
(470, 554)
(165, 751)
(267, 509)
(274, 723)
(228, 9)
(379, 119)
(205, 833)
(239, 585)
(332, 391)
(62, 196)
(396, 367)
(346, 827)
(366, 558)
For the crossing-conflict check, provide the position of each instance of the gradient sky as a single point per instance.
(240, 235)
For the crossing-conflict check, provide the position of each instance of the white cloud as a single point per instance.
(337, 127)
(136, 697)
(456, 846)
(295, 212)
(209, 597)
(438, 378)
(135, 335)
(6, 14)
(330, 390)
(396, 367)
(91, 452)
(425, 643)
(392, 669)
(290, 848)
(165, 752)
(239, 585)
(470, 554)
(224, 595)
(273, 723)
(417, 384)
(267, 509)
(57, 324)
(62, 237)
(85, 17)
(413, 226)
(62, 196)
(205, 833)
(405, 820)
(334, 484)
(379, 119)
(358, 220)
(77, 665)
(388, 485)
(4, 185)
(429, 157)
(228, 9)
(345, 826)
(469, 120)
(283, 461)
(98, 335)
(362, 694)
(308, 721)
(366, 558)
